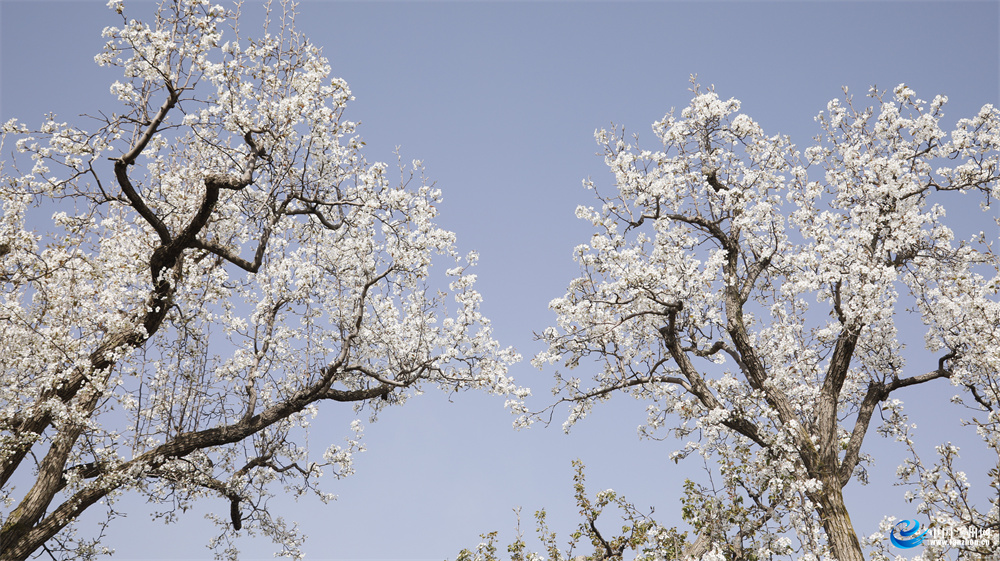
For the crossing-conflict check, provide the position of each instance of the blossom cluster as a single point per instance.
(237, 261)
(749, 293)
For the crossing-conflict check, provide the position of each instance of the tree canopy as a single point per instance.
(751, 294)
(220, 259)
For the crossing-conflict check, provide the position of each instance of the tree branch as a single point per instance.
(122, 164)
(878, 392)
(696, 384)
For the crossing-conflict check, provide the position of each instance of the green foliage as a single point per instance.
(638, 533)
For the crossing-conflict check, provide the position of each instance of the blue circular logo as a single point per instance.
(904, 535)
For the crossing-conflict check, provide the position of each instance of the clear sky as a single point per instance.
(500, 100)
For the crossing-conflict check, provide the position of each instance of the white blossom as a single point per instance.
(749, 292)
(170, 319)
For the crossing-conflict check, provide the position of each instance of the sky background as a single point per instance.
(500, 100)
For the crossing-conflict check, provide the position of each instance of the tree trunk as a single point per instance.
(837, 522)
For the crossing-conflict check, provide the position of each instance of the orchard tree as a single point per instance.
(187, 281)
(751, 294)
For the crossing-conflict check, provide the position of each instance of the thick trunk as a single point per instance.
(837, 522)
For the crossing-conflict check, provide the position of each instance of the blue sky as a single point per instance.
(500, 100)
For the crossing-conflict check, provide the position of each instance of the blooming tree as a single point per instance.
(220, 260)
(750, 294)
